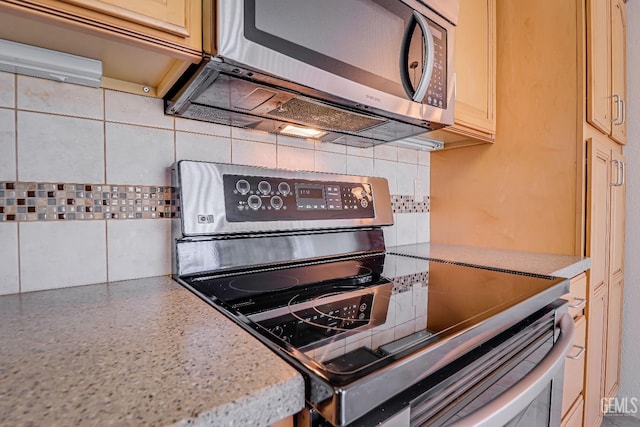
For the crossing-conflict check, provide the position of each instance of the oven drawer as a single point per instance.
(574, 367)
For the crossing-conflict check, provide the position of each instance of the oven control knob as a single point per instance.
(276, 202)
(243, 186)
(264, 187)
(364, 203)
(284, 188)
(254, 202)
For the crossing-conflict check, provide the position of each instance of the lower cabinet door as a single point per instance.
(574, 368)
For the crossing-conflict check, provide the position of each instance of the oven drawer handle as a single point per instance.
(510, 403)
(580, 349)
(581, 302)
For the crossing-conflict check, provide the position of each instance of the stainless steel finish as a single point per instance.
(508, 405)
(201, 193)
(581, 302)
(623, 172)
(246, 61)
(421, 90)
(581, 351)
(616, 99)
(624, 112)
(205, 255)
(356, 399)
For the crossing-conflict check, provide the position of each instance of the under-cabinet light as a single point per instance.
(302, 132)
(419, 143)
(49, 64)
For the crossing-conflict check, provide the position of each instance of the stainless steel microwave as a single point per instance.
(359, 72)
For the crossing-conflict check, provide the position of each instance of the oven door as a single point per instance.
(392, 55)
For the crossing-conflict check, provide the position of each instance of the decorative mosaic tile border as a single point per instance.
(36, 201)
(407, 204)
(405, 283)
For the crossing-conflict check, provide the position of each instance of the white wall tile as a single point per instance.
(387, 169)
(48, 96)
(59, 149)
(9, 278)
(331, 147)
(424, 158)
(196, 126)
(406, 228)
(253, 135)
(138, 155)
(138, 248)
(357, 151)
(7, 90)
(423, 227)
(7, 144)
(424, 174)
(295, 142)
(135, 109)
(295, 158)
(385, 152)
(331, 162)
(407, 175)
(390, 234)
(210, 148)
(407, 155)
(359, 166)
(253, 153)
(61, 254)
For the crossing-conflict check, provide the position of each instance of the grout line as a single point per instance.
(15, 121)
(106, 247)
(104, 135)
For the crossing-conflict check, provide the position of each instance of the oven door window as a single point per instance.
(381, 44)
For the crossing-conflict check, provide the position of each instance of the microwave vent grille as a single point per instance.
(323, 117)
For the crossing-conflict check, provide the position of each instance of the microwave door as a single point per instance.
(417, 50)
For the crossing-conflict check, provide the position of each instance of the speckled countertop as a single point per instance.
(139, 352)
(527, 262)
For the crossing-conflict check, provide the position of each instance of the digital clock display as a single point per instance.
(310, 193)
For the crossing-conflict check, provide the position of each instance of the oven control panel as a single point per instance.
(263, 198)
(313, 325)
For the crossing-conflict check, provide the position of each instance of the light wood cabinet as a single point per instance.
(596, 329)
(574, 415)
(475, 50)
(606, 67)
(605, 246)
(144, 46)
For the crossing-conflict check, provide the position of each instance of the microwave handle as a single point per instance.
(427, 67)
(509, 404)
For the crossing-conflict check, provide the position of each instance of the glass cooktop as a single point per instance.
(346, 319)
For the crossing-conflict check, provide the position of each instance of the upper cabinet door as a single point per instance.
(598, 64)
(475, 65)
(619, 71)
(606, 67)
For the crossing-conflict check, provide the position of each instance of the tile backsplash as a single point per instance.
(73, 159)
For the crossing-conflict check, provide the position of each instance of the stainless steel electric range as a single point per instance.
(298, 260)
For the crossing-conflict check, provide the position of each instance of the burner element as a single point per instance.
(263, 282)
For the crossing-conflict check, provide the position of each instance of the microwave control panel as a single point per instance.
(263, 198)
(437, 90)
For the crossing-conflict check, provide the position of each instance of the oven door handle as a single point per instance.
(510, 403)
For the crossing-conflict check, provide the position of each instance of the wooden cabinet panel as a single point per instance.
(144, 46)
(596, 328)
(619, 70)
(598, 212)
(475, 120)
(598, 64)
(577, 295)
(606, 67)
(574, 367)
(614, 337)
(574, 416)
